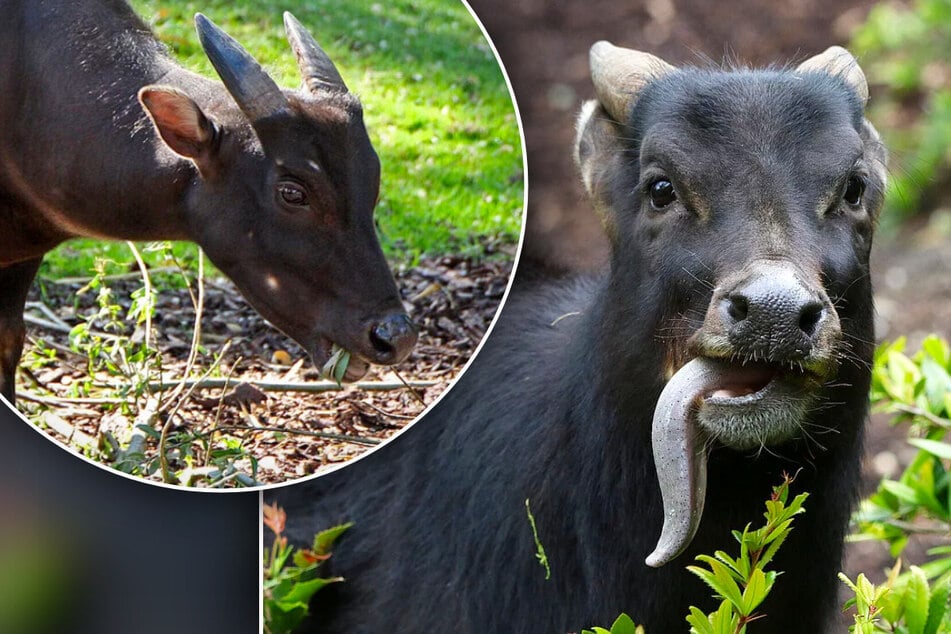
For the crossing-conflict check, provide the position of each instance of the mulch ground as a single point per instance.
(261, 427)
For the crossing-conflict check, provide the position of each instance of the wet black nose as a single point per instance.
(774, 315)
(393, 338)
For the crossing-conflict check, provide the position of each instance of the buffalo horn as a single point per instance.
(619, 74)
(253, 90)
(318, 72)
(838, 62)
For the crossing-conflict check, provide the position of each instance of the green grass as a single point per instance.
(436, 105)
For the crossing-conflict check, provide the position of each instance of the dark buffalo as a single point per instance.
(740, 207)
(104, 135)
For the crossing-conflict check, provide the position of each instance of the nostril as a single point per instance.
(810, 316)
(737, 307)
(381, 338)
(393, 338)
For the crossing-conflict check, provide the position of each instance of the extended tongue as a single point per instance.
(680, 455)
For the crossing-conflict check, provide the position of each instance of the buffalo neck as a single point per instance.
(78, 150)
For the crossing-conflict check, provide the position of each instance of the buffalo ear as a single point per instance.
(838, 62)
(180, 122)
(599, 153)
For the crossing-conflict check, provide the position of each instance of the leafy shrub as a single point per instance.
(291, 576)
(904, 603)
(917, 389)
(903, 50)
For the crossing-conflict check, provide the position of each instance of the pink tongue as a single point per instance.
(733, 392)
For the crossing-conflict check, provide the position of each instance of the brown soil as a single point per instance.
(252, 430)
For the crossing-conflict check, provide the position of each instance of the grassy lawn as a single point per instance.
(436, 105)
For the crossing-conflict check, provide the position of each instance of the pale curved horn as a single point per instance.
(838, 62)
(619, 74)
(253, 89)
(318, 72)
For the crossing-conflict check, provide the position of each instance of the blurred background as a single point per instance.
(85, 551)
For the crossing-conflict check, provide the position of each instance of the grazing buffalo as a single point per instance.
(105, 136)
(740, 207)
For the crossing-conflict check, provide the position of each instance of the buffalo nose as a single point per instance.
(393, 338)
(774, 315)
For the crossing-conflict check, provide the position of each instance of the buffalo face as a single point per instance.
(286, 187)
(740, 206)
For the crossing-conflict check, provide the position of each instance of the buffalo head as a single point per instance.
(285, 186)
(741, 207)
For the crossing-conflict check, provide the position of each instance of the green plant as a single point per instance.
(623, 625)
(903, 49)
(904, 603)
(124, 373)
(291, 575)
(539, 547)
(917, 390)
(742, 583)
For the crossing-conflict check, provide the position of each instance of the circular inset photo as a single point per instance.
(246, 245)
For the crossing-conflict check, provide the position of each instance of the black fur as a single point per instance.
(557, 407)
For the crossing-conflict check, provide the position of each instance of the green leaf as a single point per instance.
(302, 591)
(282, 619)
(938, 607)
(937, 383)
(915, 601)
(901, 491)
(934, 447)
(324, 540)
(757, 588)
(770, 550)
(725, 620)
(718, 578)
(936, 567)
(937, 348)
(699, 623)
(739, 569)
(623, 625)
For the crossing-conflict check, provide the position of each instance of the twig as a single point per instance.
(68, 431)
(138, 439)
(49, 325)
(199, 304)
(917, 411)
(316, 434)
(108, 278)
(941, 528)
(410, 387)
(192, 474)
(65, 400)
(55, 346)
(379, 410)
(43, 308)
(280, 386)
(147, 283)
(163, 459)
(218, 410)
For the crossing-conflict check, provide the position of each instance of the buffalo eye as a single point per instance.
(661, 193)
(854, 190)
(292, 194)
